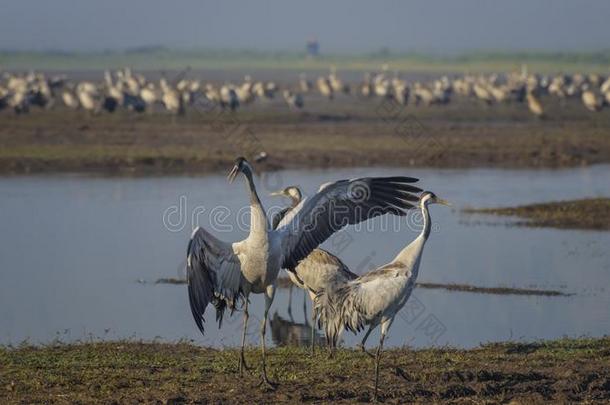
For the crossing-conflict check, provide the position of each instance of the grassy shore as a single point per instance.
(567, 370)
(590, 213)
(347, 132)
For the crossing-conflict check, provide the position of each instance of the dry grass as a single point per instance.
(568, 370)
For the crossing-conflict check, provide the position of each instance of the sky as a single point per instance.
(356, 26)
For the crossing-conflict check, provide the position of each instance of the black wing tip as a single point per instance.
(396, 179)
(196, 311)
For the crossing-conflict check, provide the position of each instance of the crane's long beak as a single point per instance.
(443, 202)
(279, 193)
(233, 174)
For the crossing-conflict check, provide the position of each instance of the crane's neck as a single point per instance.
(294, 201)
(258, 219)
(410, 256)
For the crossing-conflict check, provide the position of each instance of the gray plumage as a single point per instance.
(376, 297)
(319, 270)
(222, 274)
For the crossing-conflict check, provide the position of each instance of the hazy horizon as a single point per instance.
(434, 27)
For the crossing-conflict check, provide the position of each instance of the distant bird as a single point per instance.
(500, 94)
(19, 102)
(304, 84)
(375, 298)
(245, 93)
(325, 88)
(69, 100)
(336, 83)
(3, 99)
(294, 100)
(224, 274)
(149, 95)
(261, 157)
(87, 95)
(482, 93)
(270, 89)
(366, 87)
(592, 102)
(382, 86)
(171, 98)
(228, 97)
(534, 105)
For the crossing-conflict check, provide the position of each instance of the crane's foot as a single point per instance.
(363, 350)
(401, 373)
(243, 366)
(266, 384)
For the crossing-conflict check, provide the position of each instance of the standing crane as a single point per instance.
(534, 104)
(317, 271)
(225, 274)
(375, 298)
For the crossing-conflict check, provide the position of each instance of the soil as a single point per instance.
(347, 132)
(563, 371)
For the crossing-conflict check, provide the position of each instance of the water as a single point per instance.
(73, 248)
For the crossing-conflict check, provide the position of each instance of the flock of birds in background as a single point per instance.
(124, 89)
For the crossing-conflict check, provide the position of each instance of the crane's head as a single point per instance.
(428, 197)
(240, 165)
(292, 192)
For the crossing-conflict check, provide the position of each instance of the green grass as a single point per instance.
(560, 370)
(162, 58)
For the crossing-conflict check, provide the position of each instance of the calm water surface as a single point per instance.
(73, 248)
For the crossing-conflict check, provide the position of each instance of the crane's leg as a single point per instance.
(385, 325)
(290, 302)
(313, 329)
(242, 359)
(269, 294)
(305, 306)
(366, 336)
(332, 341)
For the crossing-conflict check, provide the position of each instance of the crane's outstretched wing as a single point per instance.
(339, 204)
(213, 272)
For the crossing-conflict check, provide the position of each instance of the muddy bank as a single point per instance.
(591, 213)
(122, 372)
(284, 282)
(345, 133)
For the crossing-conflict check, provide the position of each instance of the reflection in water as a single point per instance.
(287, 333)
(282, 284)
